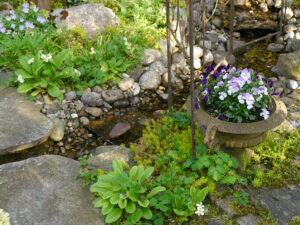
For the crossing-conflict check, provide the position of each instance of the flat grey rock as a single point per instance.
(43, 191)
(283, 203)
(22, 125)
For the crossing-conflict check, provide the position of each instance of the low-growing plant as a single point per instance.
(241, 198)
(125, 196)
(42, 73)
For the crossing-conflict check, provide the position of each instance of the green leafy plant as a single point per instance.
(42, 73)
(124, 195)
(85, 172)
(241, 198)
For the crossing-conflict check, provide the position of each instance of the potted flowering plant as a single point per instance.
(235, 95)
(236, 107)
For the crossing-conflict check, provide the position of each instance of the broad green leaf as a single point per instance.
(115, 198)
(99, 202)
(117, 166)
(135, 217)
(43, 83)
(114, 215)
(155, 191)
(107, 194)
(133, 172)
(130, 207)
(24, 88)
(133, 196)
(60, 57)
(144, 203)
(24, 63)
(228, 180)
(107, 209)
(179, 212)
(122, 204)
(54, 91)
(200, 195)
(35, 93)
(140, 172)
(147, 173)
(25, 74)
(147, 213)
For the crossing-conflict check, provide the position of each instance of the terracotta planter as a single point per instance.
(237, 135)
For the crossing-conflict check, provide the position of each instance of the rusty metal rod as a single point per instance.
(231, 25)
(281, 17)
(203, 30)
(169, 57)
(191, 43)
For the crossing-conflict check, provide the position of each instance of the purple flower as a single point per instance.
(215, 75)
(21, 20)
(21, 27)
(275, 93)
(222, 117)
(29, 25)
(12, 11)
(25, 5)
(148, 179)
(3, 30)
(223, 67)
(35, 9)
(13, 25)
(41, 19)
(1, 25)
(8, 18)
(255, 91)
(202, 79)
(271, 83)
(205, 94)
(208, 70)
(233, 88)
(197, 106)
(13, 17)
(270, 108)
(25, 10)
(233, 69)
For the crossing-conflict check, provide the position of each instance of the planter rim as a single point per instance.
(277, 116)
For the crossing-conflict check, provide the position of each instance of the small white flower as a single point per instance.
(21, 79)
(265, 113)
(49, 57)
(4, 217)
(30, 61)
(77, 71)
(250, 106)
(44, 57)
(222, 96)
(92, 51)
(200, 209)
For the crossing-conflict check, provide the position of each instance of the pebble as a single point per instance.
(119, 129)
(292, 84)
(94, 111)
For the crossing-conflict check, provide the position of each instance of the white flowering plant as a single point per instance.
(24, 18)
(4, 218)
(235, 95)
(43, 73)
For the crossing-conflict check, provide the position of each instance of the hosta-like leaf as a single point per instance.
(115, 198)
(147, 213)
(122, 204)
(135, 217)
(54, 91)
(114, 215)
(133, 172)
(155, 191)
(179, 212)
(117, 166)
(147, 173)
(107, 194)
(24, 88)
(144, 203)
(60, 57)
(130, 207)
(228, 180)
(100, 202)
(133, 196)
(107, 209)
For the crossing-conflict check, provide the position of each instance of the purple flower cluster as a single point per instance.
(235, 94)
(22, 19)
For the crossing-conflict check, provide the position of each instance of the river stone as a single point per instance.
(150, 55)
(217, 21)
(126, 83)
(104, 156)
(119, 129)
(58, 131)
(289, 65)
(273, 47)
(236, 46)
(71, 95)
(42, 190)
(283, 204)
(224, 57)
(136, 73)
(163, 47)
(289, 13)
(295, 45)
(247, 220)
(150, 80)
(84, 121)
(91, 17)
(22, 125)
(91, 99)
(4, 77)
(159, 67)
(112, 95)
(263, 7)
(208, 58)
(94, 111)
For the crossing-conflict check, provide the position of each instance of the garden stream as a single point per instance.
(257, 58)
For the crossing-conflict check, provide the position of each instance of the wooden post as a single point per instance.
(42, 4)
(231, 25)
(169, 57)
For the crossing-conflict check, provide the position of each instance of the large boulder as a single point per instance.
(43, 190)
(289, 65)
(22, 125)
(91, 17)
(150, 80)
